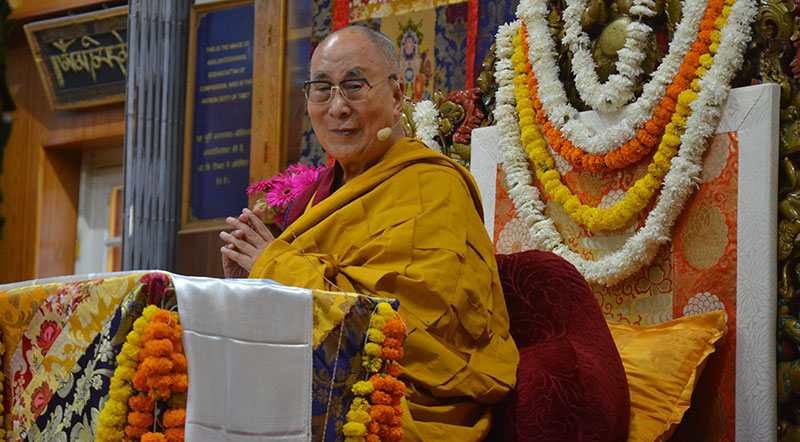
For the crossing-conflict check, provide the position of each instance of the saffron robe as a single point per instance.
(410, 228)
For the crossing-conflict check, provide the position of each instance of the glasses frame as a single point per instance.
(335, 88)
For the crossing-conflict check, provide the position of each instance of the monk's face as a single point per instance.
(348, 131)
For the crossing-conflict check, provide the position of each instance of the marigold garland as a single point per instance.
(160, 373)
(2, 382)
(113, 416)
(638, 195)
(151, 367)
(679, 183)
(650, 134)
(375, 413)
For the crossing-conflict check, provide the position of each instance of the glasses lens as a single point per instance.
(355, 90)
(318, 92)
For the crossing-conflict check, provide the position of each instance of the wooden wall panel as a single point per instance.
(60, 176)
(38, 132)
(20, 178)
(198, 253)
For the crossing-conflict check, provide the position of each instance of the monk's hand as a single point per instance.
(244, 244)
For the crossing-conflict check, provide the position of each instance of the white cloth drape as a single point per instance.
(249, 348)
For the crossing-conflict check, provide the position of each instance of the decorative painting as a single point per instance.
(443, 42)
(364, 9)
(414, 34)
(694, 274)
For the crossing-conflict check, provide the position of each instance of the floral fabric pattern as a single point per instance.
(337, 359)
(694, 274)
(63, 360)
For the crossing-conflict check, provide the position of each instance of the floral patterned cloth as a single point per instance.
(58, 374)
(693, 274)
(64, 360)
(338, 352)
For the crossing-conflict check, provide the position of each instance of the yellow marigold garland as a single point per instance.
(2, 382)
(642, 191)
(113, 416)
(375, 413)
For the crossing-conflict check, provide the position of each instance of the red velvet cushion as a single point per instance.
(571, 385)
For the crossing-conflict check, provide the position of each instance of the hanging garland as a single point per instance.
(618, 90)
(2, 382)
(564, 117)
(151, 369)
(425, 116)
(678, 183)
(113, 416)
(638, 196)
(376, 414)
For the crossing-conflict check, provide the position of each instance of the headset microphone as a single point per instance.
(386, 133)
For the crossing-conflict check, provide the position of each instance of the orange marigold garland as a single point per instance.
(650, 135)
(2, 382)
(637, 197)
(376, 414)
(113, 416)
(158, 376)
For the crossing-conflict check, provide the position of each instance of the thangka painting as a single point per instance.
(431, 37)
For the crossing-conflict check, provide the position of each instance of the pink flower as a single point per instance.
(40, 398)
(282, 193)
(48, 333)
(258, 187)
(154, 287)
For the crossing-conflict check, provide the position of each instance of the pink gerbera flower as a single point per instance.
(282, 189)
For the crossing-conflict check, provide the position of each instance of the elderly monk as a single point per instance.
(393, 219)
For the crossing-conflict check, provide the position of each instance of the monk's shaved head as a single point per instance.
(383, 45)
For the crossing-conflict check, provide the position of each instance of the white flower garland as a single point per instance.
(542, 56)
(425, 121)
(618, 90)
(679, 183)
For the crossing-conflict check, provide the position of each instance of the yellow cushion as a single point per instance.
(662, 363)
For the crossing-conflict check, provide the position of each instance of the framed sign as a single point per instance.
(82, 59)
(219, 109)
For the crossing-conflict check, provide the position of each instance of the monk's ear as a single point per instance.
(399, 96)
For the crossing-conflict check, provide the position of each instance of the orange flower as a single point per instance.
(373, 438)
(156, 347)
(380, 398)
(155, 366)
(373, 427)
(395, 433)
(135, 432)
(140, 381)
(174, 434)
(157, 330)
(392, 354)
(395, 370)
(174, 418)
(395, 329)
(139, 419)
(141, 403)
(382, 413)
(179, 363)
(153, 437)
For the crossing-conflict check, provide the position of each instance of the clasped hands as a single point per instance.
(244, 244)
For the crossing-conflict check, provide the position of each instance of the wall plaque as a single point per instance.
(219, 106)
(82, 58)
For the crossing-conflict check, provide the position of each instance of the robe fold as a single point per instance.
(410, 227)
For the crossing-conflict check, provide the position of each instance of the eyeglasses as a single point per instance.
(353, 90)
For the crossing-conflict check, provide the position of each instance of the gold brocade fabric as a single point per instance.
(693, 274)
(63, 355)
(662, 363)
(410, 228)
